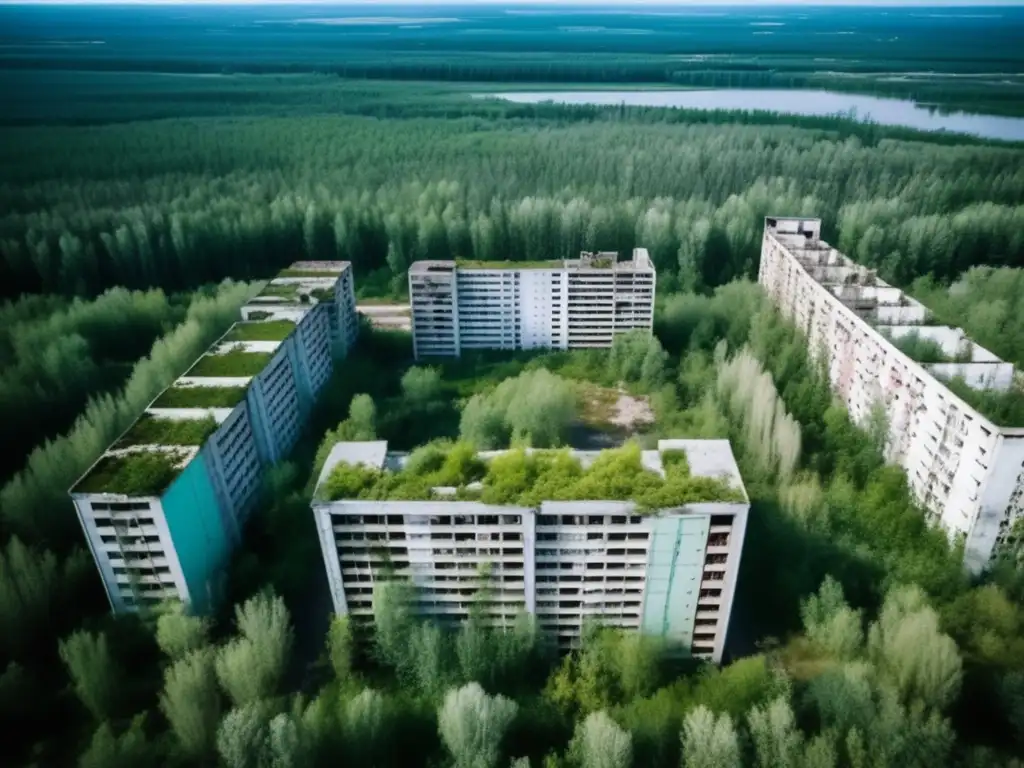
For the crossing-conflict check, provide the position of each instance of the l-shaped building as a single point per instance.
(165, 504)
(967, 470)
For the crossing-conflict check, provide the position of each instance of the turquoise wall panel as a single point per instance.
(197, 530)
(675, 568)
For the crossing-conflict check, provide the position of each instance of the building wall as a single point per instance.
(133, 550)
(201, 541)
(458, 309)
(960, 465)
(672, 575)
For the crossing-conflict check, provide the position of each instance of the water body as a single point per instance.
(795, 102)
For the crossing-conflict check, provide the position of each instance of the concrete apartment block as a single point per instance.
(966, 470)
(671, 574)
(562, 304)
(164, 506)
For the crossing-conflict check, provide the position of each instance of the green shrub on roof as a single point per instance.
(274, 330)
(155, 430)
(200, 397)
(237, 362)
(141, 473)
(526, 479)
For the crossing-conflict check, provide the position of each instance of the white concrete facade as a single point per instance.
(963, 468)
(569, 304)
(130, 536)
(671, 574)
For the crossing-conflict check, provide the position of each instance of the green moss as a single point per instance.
(282, 290)
(322, 294)
(200, 397)
(237, 362)
(154, 430)
(260, 315)
(481, 264)
(275, 330)
(308, 273)
(526, 479)
(143, 473)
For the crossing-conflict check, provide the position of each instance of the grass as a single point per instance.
(307, 273)
(142, 473)
(281, 290)
(275, 330)
(257, 316)
(597, 403)
(237, 362)
(322, 294)
(200, 397)
(526, 479)
(155, 430)
(481, 264)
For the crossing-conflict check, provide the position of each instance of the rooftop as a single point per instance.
(678, 473)
(147, 457)
(975, 374)
(639, 259)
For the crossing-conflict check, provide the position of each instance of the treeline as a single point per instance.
(55, 355)
(178, 205)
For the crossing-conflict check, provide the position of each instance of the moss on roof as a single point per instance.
(156, 430)
(273, 330)
(309, 273)
(527, 479)
(482, 264)
(140, 473)
(237, 362)
(200, 397)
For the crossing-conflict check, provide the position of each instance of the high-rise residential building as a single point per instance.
(561, 304)
(963, 467)
(165, 504)
(670, 572)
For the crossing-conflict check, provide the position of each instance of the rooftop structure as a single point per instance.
(559, 304)
(884, 350)
(165, 503)
(562, 545)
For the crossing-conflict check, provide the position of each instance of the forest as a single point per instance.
(140, 206)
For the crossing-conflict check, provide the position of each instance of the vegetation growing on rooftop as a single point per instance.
(1005, 409)
(274, 330)
(494, 264)
(237, 362)
(260, 315)
(322, 294)
(526, 478)
(200, 397)
(140, 473)
(921, 349)
(156, 430)
(308, 273)
(280, 290)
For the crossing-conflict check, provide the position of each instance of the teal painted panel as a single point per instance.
(676, 565)
(197, 530)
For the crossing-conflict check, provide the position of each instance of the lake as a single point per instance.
(795, 102)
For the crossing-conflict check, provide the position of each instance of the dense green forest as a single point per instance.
(950, 60)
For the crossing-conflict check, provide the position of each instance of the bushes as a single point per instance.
(534, 408)
(526, 479)
(140, 473)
